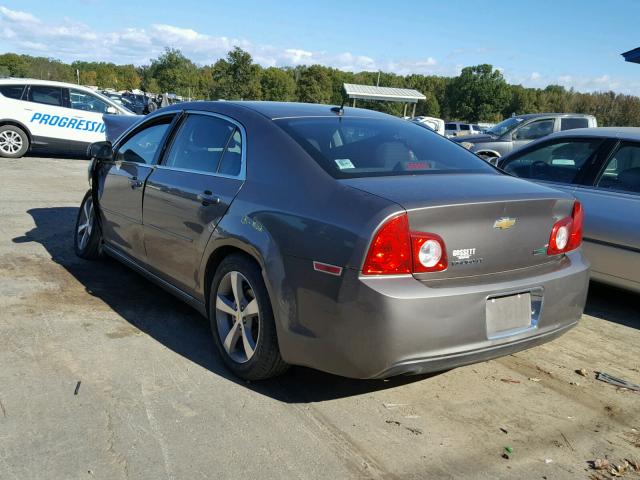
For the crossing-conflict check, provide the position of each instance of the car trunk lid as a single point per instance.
(489, 223)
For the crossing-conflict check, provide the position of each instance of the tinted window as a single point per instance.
(571, 123)
(200, 144)
(85, 101)
(464, 126)
(46, 95)
(534, 130)
(12, 91)
(363, 147)
(450, 126)
(143, 145)
(622, 171)
(556, 162)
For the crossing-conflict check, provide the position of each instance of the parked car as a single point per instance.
(515, 132)
(460, 129)
(600, 167)
(435, 124)
(346, 240)
(139, 102)
(52, 116)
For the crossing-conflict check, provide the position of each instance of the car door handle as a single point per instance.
(208, 198)
(135, 183)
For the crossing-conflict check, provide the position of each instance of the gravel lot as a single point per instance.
(156, 402)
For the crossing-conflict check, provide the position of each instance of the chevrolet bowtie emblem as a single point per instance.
(504, 223)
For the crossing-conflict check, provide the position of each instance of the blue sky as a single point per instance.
(573, 43)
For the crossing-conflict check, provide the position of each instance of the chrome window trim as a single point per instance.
(243, 156)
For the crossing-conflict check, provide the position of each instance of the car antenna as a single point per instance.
(340, 110)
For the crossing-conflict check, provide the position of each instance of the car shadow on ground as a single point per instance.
(174, 324)
(613, 304)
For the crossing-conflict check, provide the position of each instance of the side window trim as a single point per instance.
(126, 136)
(243, 158)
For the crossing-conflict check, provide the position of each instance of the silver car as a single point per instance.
(341, 239)
(601, 168)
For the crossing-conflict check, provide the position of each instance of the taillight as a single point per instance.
(566, 234)
(429, 253)
(390, 250)
(394, 250)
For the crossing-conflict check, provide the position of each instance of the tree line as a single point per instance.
(479, 94)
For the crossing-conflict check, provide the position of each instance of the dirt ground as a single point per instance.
(154, 401)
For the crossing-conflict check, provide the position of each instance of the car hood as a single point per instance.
(436, 189)
(480, 138)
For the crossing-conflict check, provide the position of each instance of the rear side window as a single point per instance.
(46, 95)
(571, 123)
(203, 144)
(622, 172)
(450, 126)
(366, 147)
(143, 145)
(12, 91)
(465, 127)
(557, 162)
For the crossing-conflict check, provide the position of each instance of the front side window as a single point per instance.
(622, 172)
(450, 126)
(557, 162)
(12, 91)
(81, 100)
(206, 144)
(569, 123)
(535, 130)
(143, 145)
(365, 147)
(46, 95)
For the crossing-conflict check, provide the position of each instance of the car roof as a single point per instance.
(621, 133)
(277, 110)
(36, 81)
(527, 116)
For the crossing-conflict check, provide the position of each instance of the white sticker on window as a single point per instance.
(344, 163)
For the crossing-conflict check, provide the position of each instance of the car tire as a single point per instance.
(14, 142)
(87, 238)
(246, 338)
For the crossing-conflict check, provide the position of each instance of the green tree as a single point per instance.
(314, 84)
(278, 85)
(479, 93)
(237, 77)
(173, 73)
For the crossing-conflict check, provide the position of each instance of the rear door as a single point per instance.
(612, 217)
(187, 195)
(123, 180)
(44, 103)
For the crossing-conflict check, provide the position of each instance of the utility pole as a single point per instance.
(378, 82)
(78, 75)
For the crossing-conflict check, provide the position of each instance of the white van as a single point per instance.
(52, 116)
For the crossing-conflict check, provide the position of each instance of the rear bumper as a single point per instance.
(377, 327)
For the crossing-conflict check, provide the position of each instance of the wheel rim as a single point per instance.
(237, 317)
(85, 224)
(10, 142)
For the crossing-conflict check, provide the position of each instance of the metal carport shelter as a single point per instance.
(384, 94)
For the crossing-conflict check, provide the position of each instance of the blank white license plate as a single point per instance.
(508, 313)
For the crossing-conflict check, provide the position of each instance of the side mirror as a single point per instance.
(112, 110)
(101, 151)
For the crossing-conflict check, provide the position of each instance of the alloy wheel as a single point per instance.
(237, 317)
(85, 224)
(10, 142)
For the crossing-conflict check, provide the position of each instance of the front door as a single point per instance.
(123, 180)
(187, 195)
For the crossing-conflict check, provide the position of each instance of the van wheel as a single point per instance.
(242, 320)
(87, 236)
(14, 142)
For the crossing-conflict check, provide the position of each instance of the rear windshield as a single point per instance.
(367, 147)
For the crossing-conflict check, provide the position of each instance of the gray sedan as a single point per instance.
(341, 239)
(601, 168)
